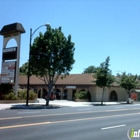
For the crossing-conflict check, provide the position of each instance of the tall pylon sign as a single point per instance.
(11, 55)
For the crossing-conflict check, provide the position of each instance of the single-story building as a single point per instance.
(73, 83)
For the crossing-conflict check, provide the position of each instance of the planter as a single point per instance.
(15, 101)
(81, 100)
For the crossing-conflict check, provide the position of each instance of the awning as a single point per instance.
(135, 90)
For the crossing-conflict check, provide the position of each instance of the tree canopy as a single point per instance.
(52, 56)
(128, 81)
(90, 69)
(23, 70)
(104, 77)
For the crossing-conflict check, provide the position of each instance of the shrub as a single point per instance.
(2, 96)
(5, 89)
(81, 95)
(23, 94)
(11, 96)
(32, 95)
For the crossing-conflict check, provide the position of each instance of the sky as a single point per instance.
(99, 28)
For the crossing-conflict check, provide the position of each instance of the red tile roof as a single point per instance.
(72, 79)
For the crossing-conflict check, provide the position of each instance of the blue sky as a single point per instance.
(99, 28)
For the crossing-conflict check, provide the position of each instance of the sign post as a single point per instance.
(11, 56)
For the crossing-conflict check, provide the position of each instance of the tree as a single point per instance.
(23, 70)
(90, 69)
(128, 82)
(104, 78)
(51, 57)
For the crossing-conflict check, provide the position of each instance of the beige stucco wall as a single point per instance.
(122, 95)
(69, 94)
(96, 93)
(92, 91)
(99, 92)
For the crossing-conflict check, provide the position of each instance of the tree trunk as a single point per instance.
(103, 96)
(128, 99)
(49, 93)
(48, 99)
(128, 96)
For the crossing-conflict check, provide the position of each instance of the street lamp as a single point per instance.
(28, 76)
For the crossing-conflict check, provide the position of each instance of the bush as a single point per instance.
(2, 96)
(81, 95)
(5, 89)
(32, 95)
(11, 96)
(23, 94)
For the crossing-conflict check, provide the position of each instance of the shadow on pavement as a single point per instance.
(108, 104)
(98, 104)
(34, 106)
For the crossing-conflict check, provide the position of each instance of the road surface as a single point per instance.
(67, 123)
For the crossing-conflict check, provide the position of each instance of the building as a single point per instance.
(135, 94)
(73, 83)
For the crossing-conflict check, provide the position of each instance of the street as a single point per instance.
(70, 123)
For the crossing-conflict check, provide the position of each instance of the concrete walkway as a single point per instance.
(40, 104)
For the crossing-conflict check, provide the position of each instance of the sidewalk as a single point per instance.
(54, 104)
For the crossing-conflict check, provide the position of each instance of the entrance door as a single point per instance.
(113, 96)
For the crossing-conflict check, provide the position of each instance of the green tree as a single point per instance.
(52, 56)
(128, 82)
(90, 69)
(23, 70)
(104, 78)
